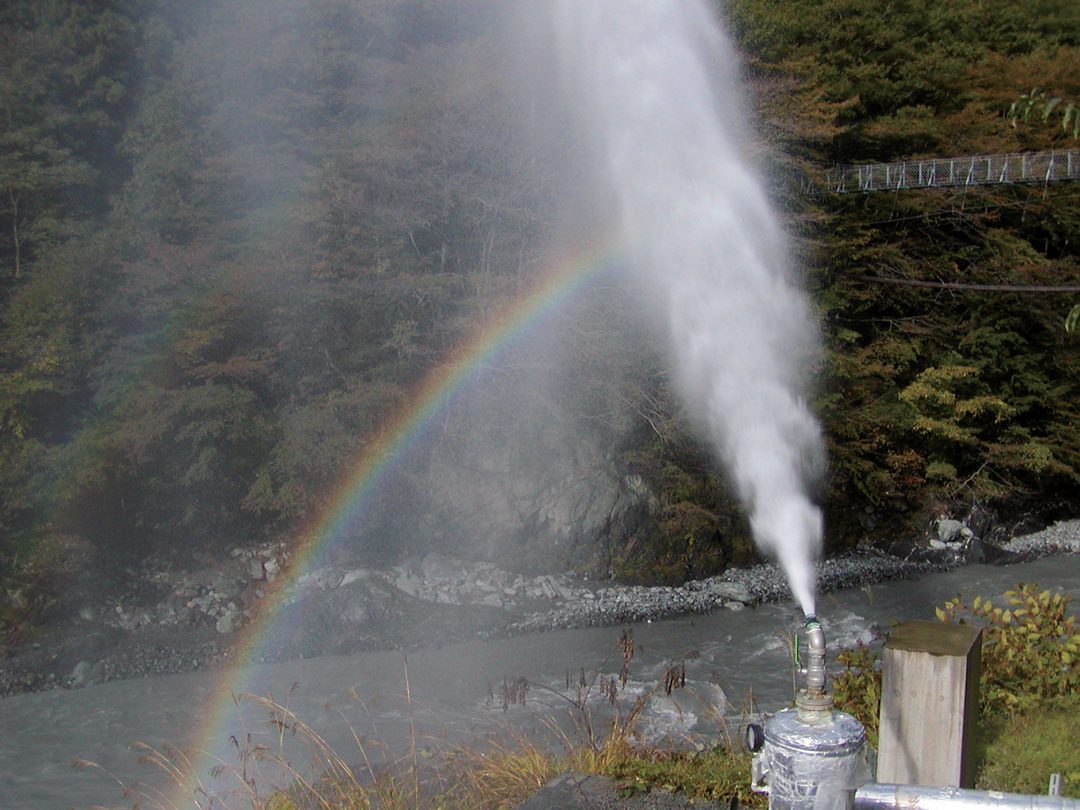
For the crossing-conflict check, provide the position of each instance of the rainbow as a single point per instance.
(444, 385)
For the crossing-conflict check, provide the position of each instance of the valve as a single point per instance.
(754, 738)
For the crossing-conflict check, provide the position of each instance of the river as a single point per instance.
(727, 656)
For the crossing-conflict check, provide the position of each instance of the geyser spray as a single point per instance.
(652, 84)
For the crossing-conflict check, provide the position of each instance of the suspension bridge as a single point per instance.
(978, 170)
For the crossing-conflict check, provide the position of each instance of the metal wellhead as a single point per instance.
(810, 757)
(814, 758)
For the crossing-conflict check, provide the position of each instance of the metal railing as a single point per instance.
(979, 170)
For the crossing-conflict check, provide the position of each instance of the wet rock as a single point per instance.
(255, 569)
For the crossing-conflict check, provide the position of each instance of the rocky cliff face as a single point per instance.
(523, 481)
(493, 495)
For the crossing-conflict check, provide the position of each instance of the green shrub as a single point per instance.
(1031, 649)
(1029, 691)
(857, 688)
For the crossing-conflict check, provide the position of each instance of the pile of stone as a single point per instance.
(635, 603)
(223, 593)
(446, 581)
(1062, 537)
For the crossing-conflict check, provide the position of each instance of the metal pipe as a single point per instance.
(883, 796)
(815, 656)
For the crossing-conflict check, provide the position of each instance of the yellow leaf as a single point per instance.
(940, 614)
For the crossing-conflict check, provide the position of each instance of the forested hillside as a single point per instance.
(235, 237)
(934, 398)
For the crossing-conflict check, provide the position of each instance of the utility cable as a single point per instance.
(958, 285)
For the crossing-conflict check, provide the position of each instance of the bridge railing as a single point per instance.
(978, 170)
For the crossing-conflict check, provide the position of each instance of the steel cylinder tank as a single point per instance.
(811, 766)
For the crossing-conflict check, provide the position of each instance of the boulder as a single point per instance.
(981, 521)
(81, 674)
(355, 575)
(730, 591)
(271, 567)
(327, 578)
(230, 620)
(948, 530)
(408, 585)
(437, 566)
(974, 551)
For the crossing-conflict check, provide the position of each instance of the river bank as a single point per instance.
(172, 621)
(729, 657)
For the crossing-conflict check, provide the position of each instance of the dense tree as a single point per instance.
(64, 86)
(931, 397)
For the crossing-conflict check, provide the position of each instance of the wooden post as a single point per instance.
(929, 704)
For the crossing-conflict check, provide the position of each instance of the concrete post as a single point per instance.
(929, 705)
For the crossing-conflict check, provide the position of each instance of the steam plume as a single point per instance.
(653, 83)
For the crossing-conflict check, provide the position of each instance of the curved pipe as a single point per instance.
(815, 656)
(876, 796)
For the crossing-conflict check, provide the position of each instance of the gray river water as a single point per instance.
(728, 656)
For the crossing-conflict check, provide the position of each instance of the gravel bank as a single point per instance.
(766, 583)
(405, 609)
(1061, 538)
